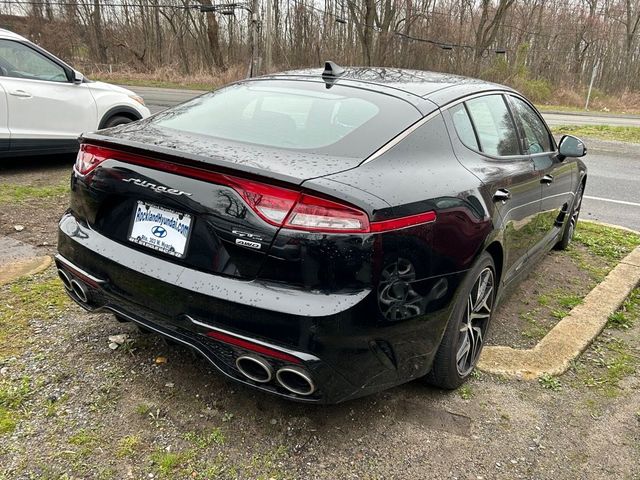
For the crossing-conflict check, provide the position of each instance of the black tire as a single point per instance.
(116, 120)
(451, 365)
(572, 220)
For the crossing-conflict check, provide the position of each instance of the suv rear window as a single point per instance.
(342, 120)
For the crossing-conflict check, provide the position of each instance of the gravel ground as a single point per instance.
(72, 407)
(149, 409)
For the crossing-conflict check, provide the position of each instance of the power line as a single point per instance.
(438, 43)
(61, 3)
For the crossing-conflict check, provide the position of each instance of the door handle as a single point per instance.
(547, 179)
(501, 195)
(20, 93)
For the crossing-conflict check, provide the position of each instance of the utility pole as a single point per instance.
(253, 37)
(268, 36)
(593, 77)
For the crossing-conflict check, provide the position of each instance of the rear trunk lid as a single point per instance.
(183, 213)
(283, 165)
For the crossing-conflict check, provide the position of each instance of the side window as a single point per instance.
(494, 125)
(537, 136)
(463, 126)
(19, 61)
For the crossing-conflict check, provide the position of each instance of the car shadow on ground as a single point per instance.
(189, 384)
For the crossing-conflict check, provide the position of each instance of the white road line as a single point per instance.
(621, 202)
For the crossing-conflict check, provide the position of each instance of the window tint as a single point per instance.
(463, 126)
(495, 128)
(536, 134)
(305, 116)
(19, 61)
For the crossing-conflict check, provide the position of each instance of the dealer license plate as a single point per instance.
(160, 228)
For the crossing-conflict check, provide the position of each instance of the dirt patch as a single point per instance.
(39, 186)
(558, 283)
(77, 409)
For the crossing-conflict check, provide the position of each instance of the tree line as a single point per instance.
(532, 44)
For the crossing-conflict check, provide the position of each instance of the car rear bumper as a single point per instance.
(336, 339)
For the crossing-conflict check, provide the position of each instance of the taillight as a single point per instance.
(318, 214)
(290, 209)
(278, 206)
(271, 203)
(89, 157)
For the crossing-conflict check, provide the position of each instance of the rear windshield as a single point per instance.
(296, 115)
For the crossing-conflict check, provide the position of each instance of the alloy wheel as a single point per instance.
(575, 213)
(475, 322)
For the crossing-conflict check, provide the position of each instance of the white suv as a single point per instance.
(45, 104)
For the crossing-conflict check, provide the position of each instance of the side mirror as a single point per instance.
(78, 78)
(571, 146)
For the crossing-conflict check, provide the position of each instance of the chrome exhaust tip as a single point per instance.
(80, 291)
(255, 368)
(296, 381)
(66, 280)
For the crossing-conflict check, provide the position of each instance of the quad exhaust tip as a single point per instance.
(296, 381)
(255, 368)
(66, 280)
(80, 291)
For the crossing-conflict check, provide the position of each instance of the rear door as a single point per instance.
(491, 150)
(45, 108)
(555, 177)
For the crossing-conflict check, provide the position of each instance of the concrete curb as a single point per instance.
(573, 334)
(21, 268)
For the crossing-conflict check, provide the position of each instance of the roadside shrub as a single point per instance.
(538, 91)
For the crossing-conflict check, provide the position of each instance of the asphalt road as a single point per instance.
(613, 189)
(613, 184)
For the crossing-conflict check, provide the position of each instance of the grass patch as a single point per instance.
(613, 362)
(627, 314)
(534, 330)
(23, 300)
(143, 409)
(150, 82)
(580, 109)
(550, 382)
(13, 396)
(269, 465)
(127, 446)
(10, 193)
(205, 440)
(611, 244)
(8, 421)
(465, 392)
(168, 462)
(601, 132)
(82, 438)
(611, 359)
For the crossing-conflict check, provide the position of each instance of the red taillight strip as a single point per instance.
(403, 222)
(254, 347)
(244, 187)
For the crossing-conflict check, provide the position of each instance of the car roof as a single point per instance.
(439, 88)
(4, 33)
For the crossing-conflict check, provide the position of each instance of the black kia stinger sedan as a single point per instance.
(322, 234)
